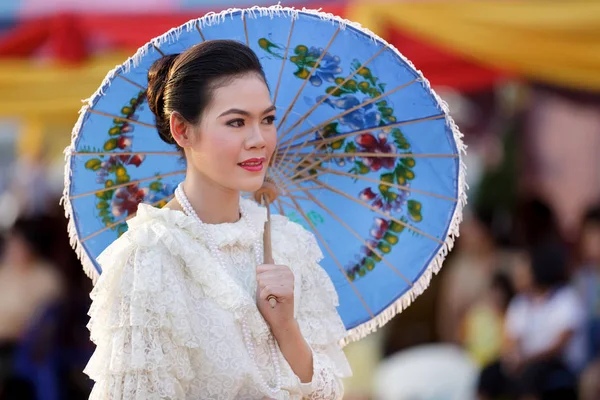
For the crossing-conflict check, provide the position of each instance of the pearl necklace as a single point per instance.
(214, 249)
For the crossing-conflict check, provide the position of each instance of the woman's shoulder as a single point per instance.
(141, 275)
(152, 231)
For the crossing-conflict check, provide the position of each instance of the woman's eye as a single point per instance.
(236, 123)
(269, 120)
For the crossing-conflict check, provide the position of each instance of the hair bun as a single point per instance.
(158, 76)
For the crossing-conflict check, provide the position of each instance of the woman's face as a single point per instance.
(236, 136)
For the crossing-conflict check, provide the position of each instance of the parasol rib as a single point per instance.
(127, 184)
(131, 121)
(306, 80)
(200, 31)
(157, 49)
(132, 82)
(285, 54)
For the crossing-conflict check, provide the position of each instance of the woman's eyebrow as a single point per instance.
(244, 112)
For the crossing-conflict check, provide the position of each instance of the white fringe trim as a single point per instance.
(212, 18)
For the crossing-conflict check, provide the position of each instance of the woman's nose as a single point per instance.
(256, 138)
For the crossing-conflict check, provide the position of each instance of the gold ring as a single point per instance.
(272, 300)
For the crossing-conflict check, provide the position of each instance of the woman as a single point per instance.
(181, 310)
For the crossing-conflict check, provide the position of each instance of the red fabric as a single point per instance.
(68, 39)
(129, 32)
(24, 38)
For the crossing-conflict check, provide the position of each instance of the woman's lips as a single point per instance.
(253, 164)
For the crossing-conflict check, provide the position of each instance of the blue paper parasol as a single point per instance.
(368, 158)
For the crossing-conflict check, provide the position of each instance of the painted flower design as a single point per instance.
(368, 143)
(126, 200)
(367, 116)
(306, 60)
(116, 164)
(328, 68)
(386, 201)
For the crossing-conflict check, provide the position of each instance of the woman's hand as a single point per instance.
(276, 280)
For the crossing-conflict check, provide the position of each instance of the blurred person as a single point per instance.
(484, 322)
(28, 280)
(467, 275)
(544, 347)
(587, 277)
(28, 284)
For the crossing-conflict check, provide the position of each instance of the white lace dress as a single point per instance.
(166, 317)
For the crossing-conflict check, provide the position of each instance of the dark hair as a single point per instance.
(549, 263)
(184, 83)
(39, 233)
(536, 222)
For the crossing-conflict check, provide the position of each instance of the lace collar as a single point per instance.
(244, 232)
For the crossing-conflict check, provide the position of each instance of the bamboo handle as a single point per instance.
(266, 195)
(267, 244)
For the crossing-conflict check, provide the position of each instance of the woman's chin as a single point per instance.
(251, 185)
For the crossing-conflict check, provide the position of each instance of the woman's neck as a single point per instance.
(213, 203)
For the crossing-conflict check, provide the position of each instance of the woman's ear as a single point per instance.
(181, 130)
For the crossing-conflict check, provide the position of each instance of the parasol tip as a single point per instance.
(268, 190)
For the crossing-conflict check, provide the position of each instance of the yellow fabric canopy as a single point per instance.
(30, 89)
(46, 98)
(552, 41)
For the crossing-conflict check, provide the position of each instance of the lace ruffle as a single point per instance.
(140, 327)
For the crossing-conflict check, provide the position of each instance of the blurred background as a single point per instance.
(515, 312)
